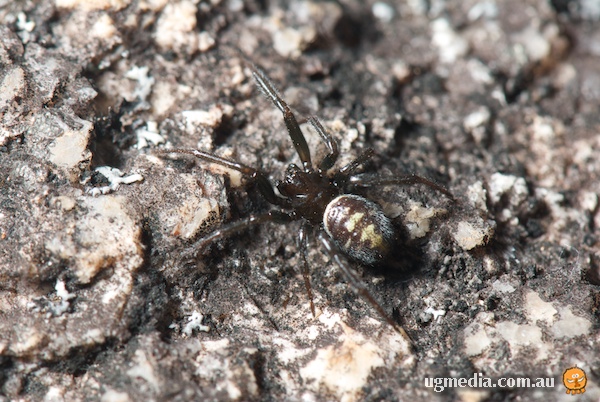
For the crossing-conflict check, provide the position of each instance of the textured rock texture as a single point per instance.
(103, 295)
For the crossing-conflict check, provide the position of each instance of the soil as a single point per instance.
(106, 295)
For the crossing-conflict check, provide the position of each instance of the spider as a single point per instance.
(348, 225)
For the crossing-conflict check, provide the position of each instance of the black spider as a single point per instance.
(347, 223)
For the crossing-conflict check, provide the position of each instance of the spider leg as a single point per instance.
(242, 224)
(329, 160)
(341, 177)
(352, 166)
(357, 284)
(401, 180)
(263, 183)
(302, 240)
(298, 139)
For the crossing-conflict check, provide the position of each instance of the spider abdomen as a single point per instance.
(359, 227)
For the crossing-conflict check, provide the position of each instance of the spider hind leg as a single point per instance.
(358, 286)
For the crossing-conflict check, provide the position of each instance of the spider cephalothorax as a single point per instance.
(348, 224)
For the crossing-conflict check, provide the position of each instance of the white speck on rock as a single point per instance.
(536, 46)
(469, 235)
(588, 200)
(193, 216)
(24, 27)
(176, 25)
(210, 118)
(215, 361)
(104, 28)
(520, 336)
(194, 323)
(111, 395)
(28, 341)
(401, 71)
(345, 366)
(105, 236)
(91, 5)
(563, 216)
(484, 332)
(70, 149)
(63, 202)
(288, 352)
(13, 85)
(590, 9)
(205, 41)
(476, 122)
(477, 118)
(215, 346)
(94, 336)
(435, 313)
(144, 369)
(476, 194)
(166, 95)
(538, 310)
(330, 319)
(569, 325)
(514, 186)
(450, 45)
(115, 178)
(477, 339)
(486, 9)
(383, 11)
(290, 42)
(418, 219)
(144, 82)
(147, 135)
(480, 72)
(55, 394)
(61, 291)
(503, 287)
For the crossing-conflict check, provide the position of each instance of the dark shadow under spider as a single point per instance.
(348, 224)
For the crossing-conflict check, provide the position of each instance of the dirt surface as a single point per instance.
(104, 294)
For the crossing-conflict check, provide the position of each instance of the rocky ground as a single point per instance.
(104, 294)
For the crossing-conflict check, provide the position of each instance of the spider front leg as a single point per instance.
(335, 254)
(255, 175)
(329, 160)
(298, 139)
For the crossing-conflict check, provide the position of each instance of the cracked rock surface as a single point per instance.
(104, 294)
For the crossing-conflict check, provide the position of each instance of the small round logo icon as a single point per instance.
(575, 380)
